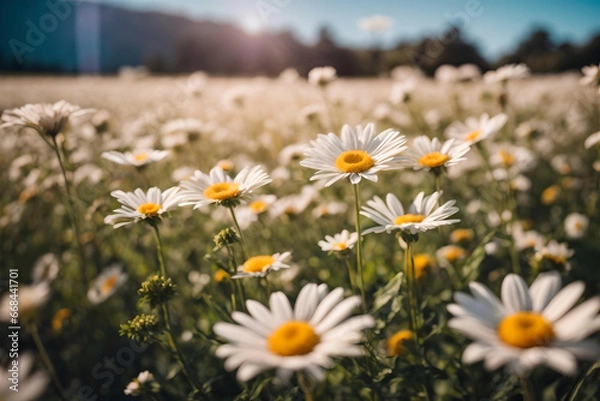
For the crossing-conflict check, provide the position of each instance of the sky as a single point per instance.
(494, 25)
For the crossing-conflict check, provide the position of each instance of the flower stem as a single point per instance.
(71, 209)
(159, 250)
(237, 227)
(359, 261)
(175, 348)
(351, 277)
(305, 386)
(409, 267)
(47, 361)
(528, 391)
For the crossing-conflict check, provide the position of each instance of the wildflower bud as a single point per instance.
(225, 237)
(157, 290)
(142, 329)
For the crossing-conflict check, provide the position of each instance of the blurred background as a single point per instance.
(264, 37)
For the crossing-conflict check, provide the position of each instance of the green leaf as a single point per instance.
(470, 268)
(387, 293)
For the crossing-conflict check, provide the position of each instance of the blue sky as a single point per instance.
(494, 25)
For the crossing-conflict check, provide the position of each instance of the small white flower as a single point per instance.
(427, 154)
(328, 209)
(261, 265)
(322, 76)
(474, 130)
(294, 204)
(506, 73)
(45, 118)
(248, 214)
(529, 327)
(530, 239)
(138, 205)
(106, 284)
(422, 215)
(450, 254)
(576, 224)
(592, 140)
(46, 268)
(514, 158)
(137, 158)
(218, 187)
(304, 338)
(143, 383)
(556, 252)
(30, 298)
(339, 242)
(357, 154)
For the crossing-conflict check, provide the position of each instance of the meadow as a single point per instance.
(476, 276)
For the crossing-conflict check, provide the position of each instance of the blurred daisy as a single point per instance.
(556, 252)
(357, 154)
(527, 239)
(461, 235)
(45, 268)
(218, 187)
(428, 154)
(248, 214)
(422, 263)
(529, 327)
(422, 215)
(294, 204)
(138, 205)
(591, 76)
(36, 382)
(402, 90)
(474, 130)
(592, 140)
(137, 158)
(106, 284)
(30, 298)
(321, 76)
(261, 265)
(304, 338)
(328, 209)
(507, 73)
(576, 224)
(142, 384)
(450, 254)
(395, 343)
(339, 242)
(514, 158)
(45, 118)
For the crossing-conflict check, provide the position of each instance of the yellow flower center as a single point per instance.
(354, 161)
(59, 317)
(258, 264)
(525, 330)
(340, 246)
(141, 157)
(473, 135)
(221, 275)
(421, 261)
(434, 159)
(293, 338)
(461, 234)
(225, 165)
(454, 253)
(108, 284)
(507, 158)
(560, 260)
(550, 194)
(149, 209)
(258, 206)
(222, 191)
(409, 218)
(395, 345)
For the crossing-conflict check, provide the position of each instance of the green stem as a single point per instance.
(528, 391)
(351, 277)
(305, 386)
(175, 348)
(47, 361)
(267, 287)
(242, 239)
(409, 267)
(359, 261)
(159, 249)
(71, 209)
(237, 285)
(573, 396)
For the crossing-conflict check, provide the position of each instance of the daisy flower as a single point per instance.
(137, 158)
(142, 384)
(592, 140)
(357, 154)
(321, 76)
(339, 242)
(556, 252)
(36, 382)
(529, 326)
(106, 284)
(30, 298)
(450, 254)
(46, 268)
(261, 265)
(304, 338)
(428, 154)
(591, 75)
(138, 205)
(422, 215)
(218, 187)
(474, 130)
(45, 118)
(507, 73)
(576, 224)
